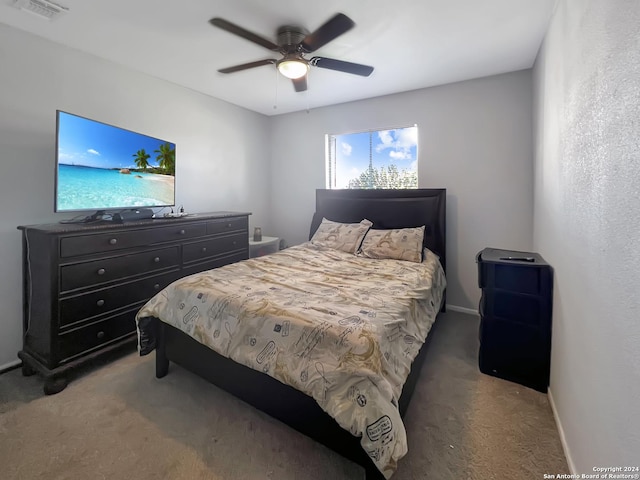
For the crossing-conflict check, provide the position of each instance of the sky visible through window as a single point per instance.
(351, 155)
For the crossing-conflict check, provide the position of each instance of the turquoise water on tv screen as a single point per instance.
(88, 188)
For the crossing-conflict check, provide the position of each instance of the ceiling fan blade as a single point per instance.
(341, 66)
(241, 32)
(300, 84)
(245, 66)
(333, 28)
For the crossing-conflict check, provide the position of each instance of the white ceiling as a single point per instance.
(411, 43)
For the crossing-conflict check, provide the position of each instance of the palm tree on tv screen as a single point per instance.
(141, 159)
(166, 158)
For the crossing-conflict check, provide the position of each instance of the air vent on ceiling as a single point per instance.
(42, 8)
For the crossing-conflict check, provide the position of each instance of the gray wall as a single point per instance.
(475, 139)
(587, 224)
(222, 159)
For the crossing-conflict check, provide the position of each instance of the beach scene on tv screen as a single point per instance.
(101, 166)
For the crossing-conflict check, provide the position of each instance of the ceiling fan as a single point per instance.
(293, 44)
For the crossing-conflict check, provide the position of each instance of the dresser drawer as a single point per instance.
(515, 307)
(87, 274)
(192, 252)
(228, 225)
(117, 240)
(100, 302)
(81, 340)
(515, 352)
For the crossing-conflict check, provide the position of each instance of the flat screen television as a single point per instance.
(102, 167)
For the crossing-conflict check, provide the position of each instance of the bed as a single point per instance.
(293, 332)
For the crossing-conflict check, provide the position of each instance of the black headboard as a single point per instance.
(388, 209)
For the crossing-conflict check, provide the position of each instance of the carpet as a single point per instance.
(117, 421)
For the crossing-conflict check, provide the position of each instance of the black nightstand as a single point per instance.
(515, 316)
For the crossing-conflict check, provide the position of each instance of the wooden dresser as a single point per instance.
(84, 283)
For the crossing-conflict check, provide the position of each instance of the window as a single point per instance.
(373, 159)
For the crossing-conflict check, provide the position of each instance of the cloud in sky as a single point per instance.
(346, 148)
(400, 155)
(399, 141)
(93, 152)
(386, 138)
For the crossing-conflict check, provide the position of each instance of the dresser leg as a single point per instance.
(53, 385)
(27, 370)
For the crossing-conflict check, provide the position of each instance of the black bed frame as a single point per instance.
(386, 209)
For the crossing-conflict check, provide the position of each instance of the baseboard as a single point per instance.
(10, 366)
(455, 308)
(563, 439)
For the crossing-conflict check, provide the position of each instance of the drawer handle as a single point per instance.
(156, 259)
(100, 303)
(113, 241)
(100, 334)
(204, 249)
(182, 232)
(101, 271)
(156, 286)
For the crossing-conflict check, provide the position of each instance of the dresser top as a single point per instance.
(64, 227)
(496, 255)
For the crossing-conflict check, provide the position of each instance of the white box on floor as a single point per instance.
(264, 247)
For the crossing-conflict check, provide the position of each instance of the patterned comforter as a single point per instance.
(340, 328)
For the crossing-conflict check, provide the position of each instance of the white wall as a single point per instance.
(587, 224)
(221, 154)
(475, 140)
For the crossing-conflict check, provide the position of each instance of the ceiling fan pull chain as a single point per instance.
(275, 100)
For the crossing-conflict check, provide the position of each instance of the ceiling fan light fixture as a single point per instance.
(293, 67)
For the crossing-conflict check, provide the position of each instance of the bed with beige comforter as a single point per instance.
(341, 328)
